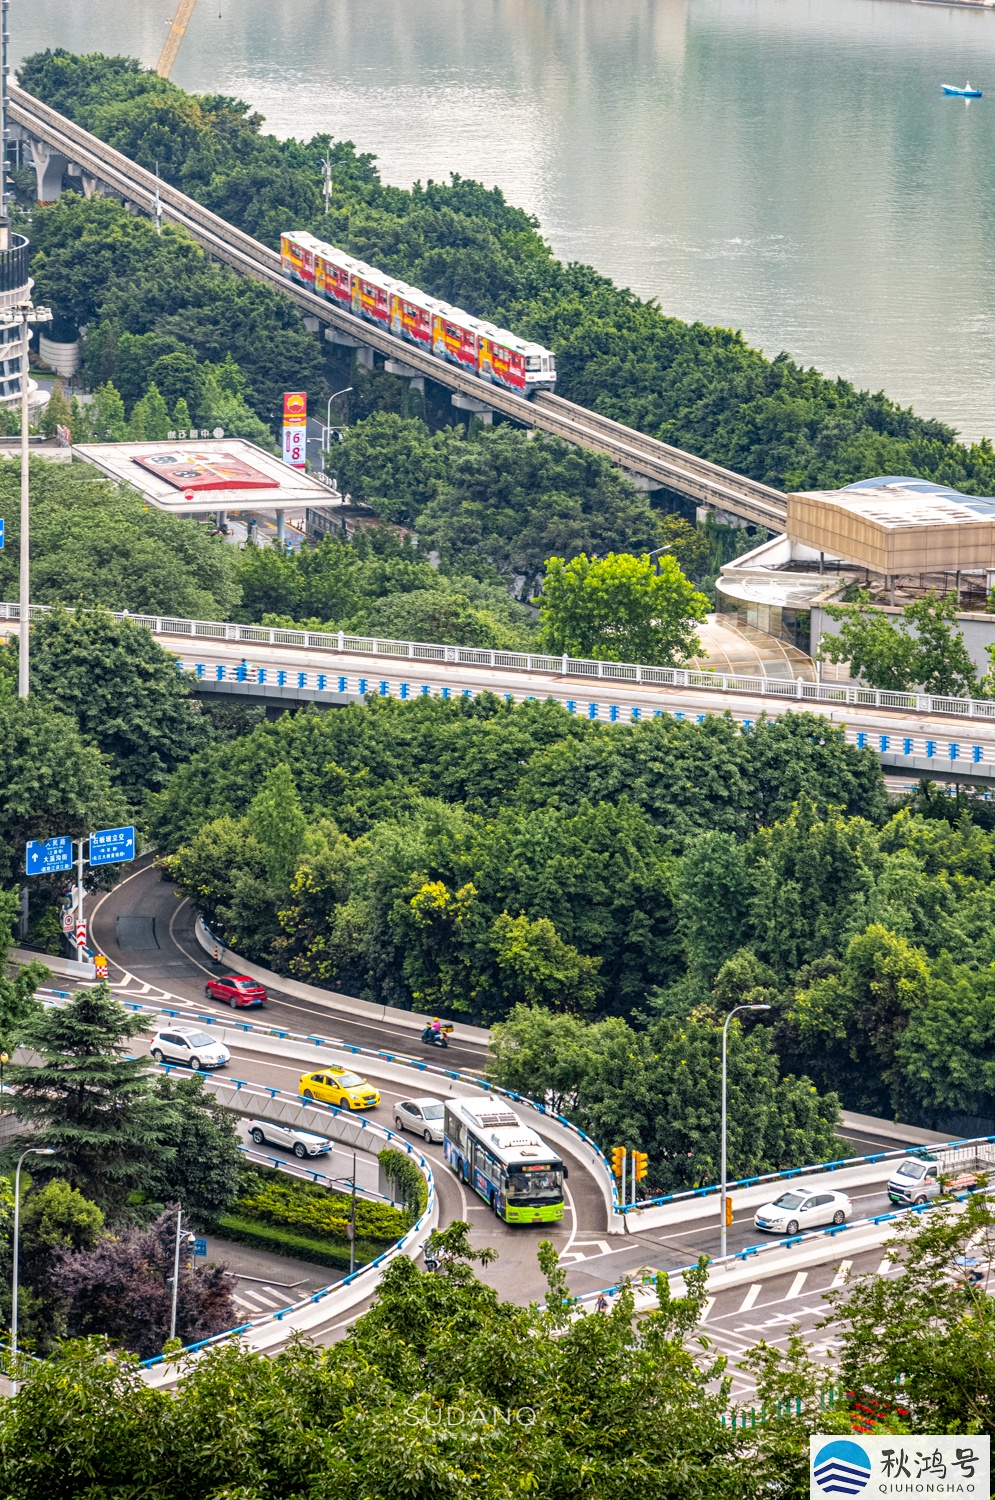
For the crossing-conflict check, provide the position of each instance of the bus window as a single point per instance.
(536, 1185)
(456, 1131)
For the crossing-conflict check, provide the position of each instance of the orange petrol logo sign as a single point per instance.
(294, 408)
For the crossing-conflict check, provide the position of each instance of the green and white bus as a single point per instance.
(491, 1150)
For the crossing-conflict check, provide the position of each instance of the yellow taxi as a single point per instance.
(339, 1086)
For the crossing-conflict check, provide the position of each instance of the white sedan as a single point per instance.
(190, 1045)
(801, 1209)
(301, 1142)
(423, 1116)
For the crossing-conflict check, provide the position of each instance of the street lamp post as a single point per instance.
(725, 1039)
(25, 314)
(326, 444)
(34, 1151)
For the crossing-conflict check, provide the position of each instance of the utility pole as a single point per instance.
(176, 1271)
(723, 1195)
(23, 669)
(326, 172)
(352, 1220)
(158, 203)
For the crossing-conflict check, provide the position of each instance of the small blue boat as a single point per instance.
(965, 93)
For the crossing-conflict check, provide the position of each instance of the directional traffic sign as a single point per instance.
(199, 1245)
(44, 856)
(1, 533)
(112, 845)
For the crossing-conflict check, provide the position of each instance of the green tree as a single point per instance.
(122, 689)
(17, 988)
(201, 1164)
(51, 781)
(713, 901)
(55, 1219)
(181, 416)
(89, 1100)
(106, 417)
(277, 823)
(926, 1330)
(57, 412)
(923, 650)
(97, 543)
(620, 608)
(537, 966)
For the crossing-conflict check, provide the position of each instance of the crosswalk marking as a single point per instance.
(707, 1306)
(798, 1283)
(264, 1295)
(751, 1296)
(841, 1274)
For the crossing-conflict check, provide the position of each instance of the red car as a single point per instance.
(236, 990)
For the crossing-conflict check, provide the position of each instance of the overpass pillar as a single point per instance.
(415, 379)
(50, 168)
(364, 356)
(478, 408)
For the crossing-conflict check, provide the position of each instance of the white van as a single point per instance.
(914, 1181)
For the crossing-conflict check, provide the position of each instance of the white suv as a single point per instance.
(190, 1045)
(301, 1142)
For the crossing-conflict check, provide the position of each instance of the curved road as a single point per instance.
(174, 969)
(165, 964)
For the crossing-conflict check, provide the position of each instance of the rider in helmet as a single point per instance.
(436, 1025)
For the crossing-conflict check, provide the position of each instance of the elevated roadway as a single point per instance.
(58, 143)
(155, 959)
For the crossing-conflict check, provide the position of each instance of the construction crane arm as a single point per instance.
(177, 30)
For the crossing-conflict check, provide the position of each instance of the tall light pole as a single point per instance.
(34, 1151)
(725, 1039)
(326, 446)
(25, 314)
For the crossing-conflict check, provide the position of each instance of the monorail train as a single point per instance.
(448, 332)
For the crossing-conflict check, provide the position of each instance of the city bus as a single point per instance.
(502, 1159)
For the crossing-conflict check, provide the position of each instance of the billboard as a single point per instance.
(204, 471)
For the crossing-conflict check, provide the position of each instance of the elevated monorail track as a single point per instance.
(661, 464)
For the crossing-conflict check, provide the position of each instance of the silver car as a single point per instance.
(301, 1142)
(422, 1116)
(801, 1209)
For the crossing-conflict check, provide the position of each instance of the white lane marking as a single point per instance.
(751, 1297)
(797, 1284)
(842, 1273)
(578, 1254)
(568, 1198)
(885, 1266)
(266, 1296)
(706, 1308)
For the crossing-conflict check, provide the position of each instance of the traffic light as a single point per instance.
(640, 1163)
(728, 1211)
(618, 1160)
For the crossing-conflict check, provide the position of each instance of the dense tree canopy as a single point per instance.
(620, 608)
(702, 388)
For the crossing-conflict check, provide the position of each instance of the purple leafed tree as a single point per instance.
(122, 1289)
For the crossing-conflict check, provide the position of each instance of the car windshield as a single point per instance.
(432, 1111)
(349, 1080)
(913, 1169)
(536, 1185)
(789, 1200)
(199, 1039)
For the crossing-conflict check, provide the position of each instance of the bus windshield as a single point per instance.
(535, 1184)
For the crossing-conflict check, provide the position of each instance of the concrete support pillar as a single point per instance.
(50, 168)
(344, 340)
(91, 185)
(364, 356)
(222, 517)
(471, 404)
(416, 381)
(281, 532)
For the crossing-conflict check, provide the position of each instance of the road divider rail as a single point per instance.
(289, 684)
(341, 643)
(307, 1314)
(557, 1128)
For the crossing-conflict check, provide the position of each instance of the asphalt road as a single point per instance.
(174, 967)
(157, 958)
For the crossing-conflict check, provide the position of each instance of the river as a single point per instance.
(785, 167)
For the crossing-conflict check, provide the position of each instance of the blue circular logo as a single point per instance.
(841, 1468)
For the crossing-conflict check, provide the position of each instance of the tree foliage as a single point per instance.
(701, 388)
(923, 650)
(620, 608)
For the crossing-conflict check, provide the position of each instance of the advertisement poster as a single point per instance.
(903, 1465)
(204, 471)
(295, 429)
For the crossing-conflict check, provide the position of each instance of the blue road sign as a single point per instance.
(1, 532)
(199, 1246)
(44, 856)
(112, 845)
